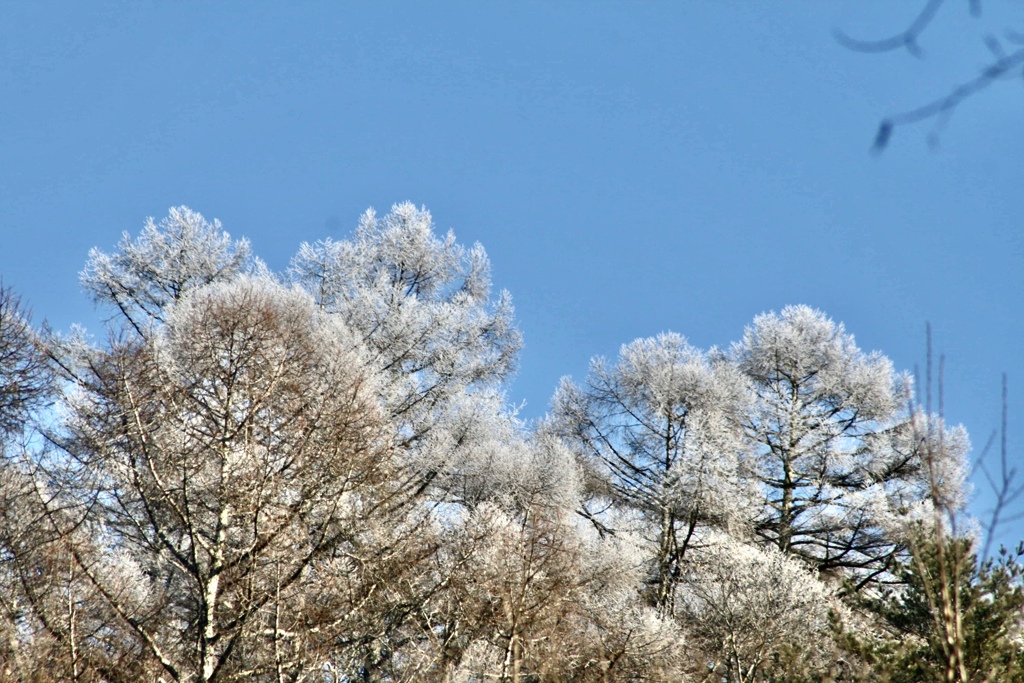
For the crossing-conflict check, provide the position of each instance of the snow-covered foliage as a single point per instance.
(422, 305)
(168, 259)
(482, 453)
(752, 608)
(826, 425)
(316, 476)
(539, 598)
(941, 451)
(660, 432)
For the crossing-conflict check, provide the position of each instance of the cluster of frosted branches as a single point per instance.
(314, 476)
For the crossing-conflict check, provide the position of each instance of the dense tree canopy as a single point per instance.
(314, 476)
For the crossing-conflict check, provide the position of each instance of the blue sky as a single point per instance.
(630, 167)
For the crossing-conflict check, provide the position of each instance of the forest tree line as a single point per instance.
(314, 475)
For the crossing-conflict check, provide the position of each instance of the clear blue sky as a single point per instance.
(630, 167)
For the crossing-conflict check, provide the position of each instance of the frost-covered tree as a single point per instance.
(25, 384)
(167, 260)
(834, 453)
(226, 464)
(422, 306)
(438, 347)
(55, 624)
(483, 454)
(659, 432)
(756, 614)
(535, 597)
(25, 378)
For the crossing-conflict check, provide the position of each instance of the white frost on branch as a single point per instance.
(168, 259)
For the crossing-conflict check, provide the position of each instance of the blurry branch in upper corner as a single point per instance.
(1004, 66)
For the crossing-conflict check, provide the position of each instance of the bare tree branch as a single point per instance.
(904, 39)
(940, 108)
